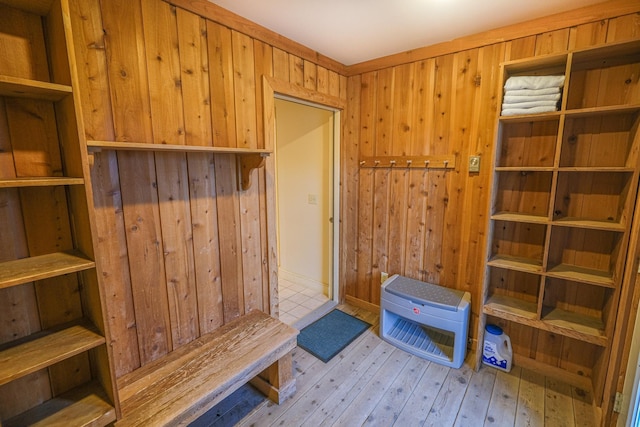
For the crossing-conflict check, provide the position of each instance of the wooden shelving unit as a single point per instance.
(564, 188)
(54, 364)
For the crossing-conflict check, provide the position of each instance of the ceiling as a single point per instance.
(353, 31)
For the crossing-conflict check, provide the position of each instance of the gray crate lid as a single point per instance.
(425, 293)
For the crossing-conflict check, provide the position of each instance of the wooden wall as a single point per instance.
(431, 225)
(180, 249)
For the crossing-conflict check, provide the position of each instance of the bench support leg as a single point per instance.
(277, 381)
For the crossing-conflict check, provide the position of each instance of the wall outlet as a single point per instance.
(383, 276)
(474, 163)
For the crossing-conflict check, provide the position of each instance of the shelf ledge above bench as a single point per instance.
(248, 159)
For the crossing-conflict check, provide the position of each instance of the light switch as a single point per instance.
(474, 163)
(312, 199)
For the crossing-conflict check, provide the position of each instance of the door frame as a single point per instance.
(273, 88)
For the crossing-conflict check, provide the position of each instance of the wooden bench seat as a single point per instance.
(190, 380)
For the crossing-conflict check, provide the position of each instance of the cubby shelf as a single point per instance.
(585, 328)
(40, 182)
(40, 267)
(563, 191)
(519, 217)
(86, 405)
(61, 375)
(516, 263)
(25, 88)
(46, 350)
(582, 274)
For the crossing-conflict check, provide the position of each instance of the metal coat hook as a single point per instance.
(426, 163)
(409, 162)
(446, 162)
(376, 162)
(392, 163)
(362, 163)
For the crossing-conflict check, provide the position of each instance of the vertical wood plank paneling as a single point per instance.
(280, 64)
(264, 67)
(310, 75)
(552, 42)
(127, 72)
(296, 70)
(350, 146)
(221, 84)
(246, 122)
(322, 80)
(368, 106)
(224, 124)
(163, 64)
(463, 121)
(194, 66)
(111, 260)
(590, 34)
(18, 304)
(401, 119)
(626, 27)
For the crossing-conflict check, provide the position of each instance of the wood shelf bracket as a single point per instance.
(245, 164)
(415, 162)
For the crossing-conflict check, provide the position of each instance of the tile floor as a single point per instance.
(297, 301)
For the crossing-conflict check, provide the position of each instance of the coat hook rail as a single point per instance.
(444, 161)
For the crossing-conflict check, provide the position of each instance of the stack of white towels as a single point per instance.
(531, 94)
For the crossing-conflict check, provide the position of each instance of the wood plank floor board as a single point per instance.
(530, 410)
(476, 400)
(389, 406)
(416, 410)
(558, 408)
(362, 406)
(504, 399)
(373, 383)
(370, 353)
(447, 403)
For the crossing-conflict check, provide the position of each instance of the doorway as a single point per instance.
(306, 209)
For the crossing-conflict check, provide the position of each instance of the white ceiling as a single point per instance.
(353, 31)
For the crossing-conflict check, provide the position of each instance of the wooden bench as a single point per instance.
(189, 381)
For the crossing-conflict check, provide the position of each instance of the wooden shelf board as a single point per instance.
(581, 274)
(602, 111)
(516, 263)
(621, 169)
(589, 223)
(40, 182)
(26, 270)
(86, 405)
(34, 89)
(524, 118)
(552, 60)
(510, 308)
(519, 217)
(579, 326)
(47, 349)
(524, 168)
(39, 7)
(141, 146)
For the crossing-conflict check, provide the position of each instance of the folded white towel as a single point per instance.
(531, 104)
(515, 99)
(520, 111)
(533, 92)
(533, 82)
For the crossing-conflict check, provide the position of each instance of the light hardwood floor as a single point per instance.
(373, 383)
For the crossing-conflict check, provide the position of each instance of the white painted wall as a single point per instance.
(304, 140)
